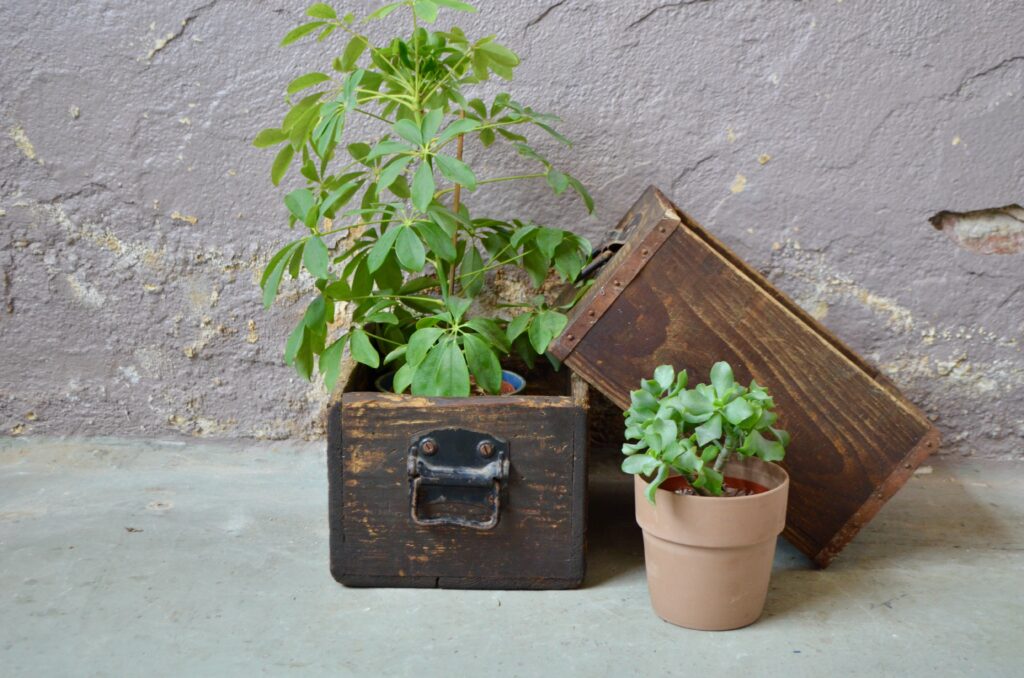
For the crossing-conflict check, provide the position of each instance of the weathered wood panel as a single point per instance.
(674, 295)
(540, 538)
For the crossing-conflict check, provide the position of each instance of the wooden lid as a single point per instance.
(855, 439)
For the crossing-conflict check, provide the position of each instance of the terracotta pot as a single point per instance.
(709, 559)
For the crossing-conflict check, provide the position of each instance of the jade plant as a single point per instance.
(694, 432)
(383, 222)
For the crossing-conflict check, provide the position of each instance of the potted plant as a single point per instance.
(384, 224)
(708, 499)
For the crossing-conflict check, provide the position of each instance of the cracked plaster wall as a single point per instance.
(816, 138)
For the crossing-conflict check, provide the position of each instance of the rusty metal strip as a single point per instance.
(613, 279)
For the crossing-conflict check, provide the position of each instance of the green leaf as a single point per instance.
(300, 32)
(354, 50)
(321, 10)
(737, 411)
(383, 11)
(652, 488)
(471, 271)
(483, 364)
(420, 342)
(402, 379)
(395, 355)
(642, 401)
(709, 480)
(640, 463)
(431, 123)
(558, 181)
(408, 130)
(339, 197)
(695, 402)
(316, 258)
(437, 239)
(583, 193)
(384, 148)
(548, 239)
(275, 271)
(392, 172)
(304, 357)
(270, 137)
(305, 81)
(456, 5)
(458, 306)
(536, 265)
(518, 325)
(458, 127)
(665, 431)
(722, 379)
(426, 10)
(780, 435)
(299, 203)
(665, 375)
(709, 430)
(443, 372)
(281, 163)
(491, 331)
(456, 171)
(410, 250)
(330, 362)
(423, 187)
(363, 351)
(381, 249)
(499, 54)
(546, 326)
(759, 446)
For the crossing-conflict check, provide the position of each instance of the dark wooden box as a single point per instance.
(672, 294)
(387, 528)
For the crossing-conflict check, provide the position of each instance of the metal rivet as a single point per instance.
(617, 283)
(661, 230)
(485, 448)
(645, 252)
(428, 446)
(591, 313)
(571, 337)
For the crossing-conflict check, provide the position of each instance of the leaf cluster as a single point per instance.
(382, 229)
(693, 432)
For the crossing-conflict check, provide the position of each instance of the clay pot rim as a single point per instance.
(781, 486)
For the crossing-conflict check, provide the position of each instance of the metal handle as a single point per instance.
(457, 521)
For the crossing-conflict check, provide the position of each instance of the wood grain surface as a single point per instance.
(539, 541)
(689, 303)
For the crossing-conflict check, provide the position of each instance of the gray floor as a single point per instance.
(163, 558)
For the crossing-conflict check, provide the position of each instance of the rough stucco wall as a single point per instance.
(816, 138)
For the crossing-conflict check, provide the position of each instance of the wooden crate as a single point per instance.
(673, 294)
(400, 517)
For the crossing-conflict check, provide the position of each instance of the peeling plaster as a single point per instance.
(137, 250)
(991, 231)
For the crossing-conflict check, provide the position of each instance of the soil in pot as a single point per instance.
(709, 559)
(731, 487)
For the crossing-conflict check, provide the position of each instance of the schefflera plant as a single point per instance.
(694, 432)
(384, 224)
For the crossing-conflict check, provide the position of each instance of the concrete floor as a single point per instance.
(159, 558)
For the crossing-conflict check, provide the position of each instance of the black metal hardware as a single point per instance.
(457, 467)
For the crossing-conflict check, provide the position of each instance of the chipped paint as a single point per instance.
(178, 216)
(85, 293)
(24, 144)
(991, 231)
(739, 184)
(764, 159)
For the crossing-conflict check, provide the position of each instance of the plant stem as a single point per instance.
(723, 456)
(456, 206)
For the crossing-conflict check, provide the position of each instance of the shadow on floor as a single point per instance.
(614, 542)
